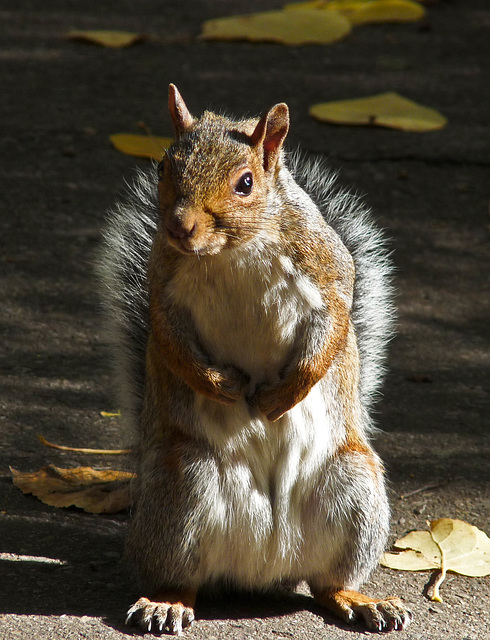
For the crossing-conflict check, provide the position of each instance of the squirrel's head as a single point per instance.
(216, 180)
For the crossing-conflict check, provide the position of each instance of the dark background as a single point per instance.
(59, 102)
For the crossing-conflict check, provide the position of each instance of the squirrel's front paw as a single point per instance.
(159, 617)
(273, 401)
(229, 384)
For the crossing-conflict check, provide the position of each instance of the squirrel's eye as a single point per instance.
(244, 186)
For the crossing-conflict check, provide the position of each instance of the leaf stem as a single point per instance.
(436, 597)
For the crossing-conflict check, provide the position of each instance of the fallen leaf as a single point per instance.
(111, 39)
(62, 447)
(420, 553)
(308, 4)
(450, 545)
(379, 11)
(110, 414)
(18, 557)
(465, 548)
(367, 11)
(142, 146)
(384, 110)
(105, 491)
(304, 27)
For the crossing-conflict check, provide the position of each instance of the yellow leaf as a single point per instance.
(91, 490)
(142, 146)
(410, 560)
(111, 39)
(304, 27)
(451, 545)
(367, 11)
(384, 110)
(385, 11)
(345, 7)
(308, 4)
(61, 447)
(465, 548)
(420, 553)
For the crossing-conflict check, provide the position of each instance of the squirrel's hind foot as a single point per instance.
(160, 616)
(389, 614)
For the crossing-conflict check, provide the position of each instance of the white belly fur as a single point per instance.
(266, 473)
(263, 504)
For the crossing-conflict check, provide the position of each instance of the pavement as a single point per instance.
(60, 100)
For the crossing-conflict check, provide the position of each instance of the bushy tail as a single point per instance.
(373, 308)
(121, 267)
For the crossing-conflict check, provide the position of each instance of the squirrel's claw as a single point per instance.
(390, 614)
(160, 617)
(385, 615)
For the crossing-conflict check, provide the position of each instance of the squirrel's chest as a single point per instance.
(248, 313)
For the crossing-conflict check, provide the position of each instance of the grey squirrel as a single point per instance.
(249, 318)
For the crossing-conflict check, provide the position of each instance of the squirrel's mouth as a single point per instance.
(194, 246)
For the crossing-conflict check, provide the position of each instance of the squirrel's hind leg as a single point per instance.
(361, 498)
(163, 553)
(170, 612)
(378, 615)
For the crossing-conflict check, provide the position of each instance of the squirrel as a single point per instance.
(249, 317)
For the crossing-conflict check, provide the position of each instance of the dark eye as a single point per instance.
(244, 186)
(160, 170)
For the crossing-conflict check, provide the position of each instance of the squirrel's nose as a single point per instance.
(181, 229)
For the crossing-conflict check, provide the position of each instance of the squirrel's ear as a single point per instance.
(179, 113)
(270, 133)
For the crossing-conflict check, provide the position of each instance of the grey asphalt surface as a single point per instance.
(59, 102)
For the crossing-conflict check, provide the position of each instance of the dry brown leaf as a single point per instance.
(385, 110)
(450, 545)
(141, 146)
(104, 491)
(111, 39)
(302, 27)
